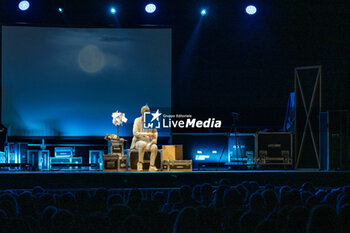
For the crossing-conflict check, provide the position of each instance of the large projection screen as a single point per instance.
(68, 81)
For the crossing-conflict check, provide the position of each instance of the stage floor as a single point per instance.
(94, 179)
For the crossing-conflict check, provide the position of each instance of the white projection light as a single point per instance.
(150, 8)
(23, 5)
(113, 10)
(251, 10)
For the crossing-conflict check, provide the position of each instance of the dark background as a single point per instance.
(236, 62)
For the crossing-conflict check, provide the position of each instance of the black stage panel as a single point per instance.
(52, 180)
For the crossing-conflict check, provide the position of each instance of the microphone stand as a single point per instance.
(235, 119)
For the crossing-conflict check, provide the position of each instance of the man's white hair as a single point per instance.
(144, 109)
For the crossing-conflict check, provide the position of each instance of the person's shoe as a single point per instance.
(139, 167)
(152, 169)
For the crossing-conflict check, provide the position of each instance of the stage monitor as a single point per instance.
(202, 147)
(69, 81)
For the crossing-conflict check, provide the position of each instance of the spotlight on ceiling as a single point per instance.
(150, 8)
(203, 12)
(60, 10)
(113, 10)
(251, 10)
(23, 5)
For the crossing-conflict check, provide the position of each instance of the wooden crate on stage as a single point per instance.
(172, 152)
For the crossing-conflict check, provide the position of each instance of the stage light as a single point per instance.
(203, 12)
(23, 5)
(251, 10)
(60, 10)
(150, 8)
(113, 10)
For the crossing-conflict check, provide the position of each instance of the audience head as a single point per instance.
(254, 186)
(209, 220)
(173, 196)
(312, 201)
(249, 221)
(206, 193)
(159, 199)
(330, 198)
(243, 190)
(233, 199)
(67, 201)
(186, 193)
(186, 221)
(307, 186)
(266, 226)
(96, 222)
(218, 200)
(256, 202)
(114, 199)
(37, 190)
(196, 193)
(270, 200)
(117, 214)
(323, 219)
(134, 198)
(26, 203)
(344, 216)
(63, 222)
(133, 223)
(224, 181)
(297, 219)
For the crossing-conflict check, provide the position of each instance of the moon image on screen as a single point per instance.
(91, 59)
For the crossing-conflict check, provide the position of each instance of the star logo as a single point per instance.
(150, 117)
(156, 115)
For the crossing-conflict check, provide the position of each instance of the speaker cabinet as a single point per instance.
(274, 148)
(334, 137)
(134, 158)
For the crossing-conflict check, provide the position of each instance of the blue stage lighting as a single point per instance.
(113, 10)
(203, 12)
(60, 10)
(23, 5)
(150, 8)
(251, 10)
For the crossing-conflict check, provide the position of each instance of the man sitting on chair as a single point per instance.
(144, 140)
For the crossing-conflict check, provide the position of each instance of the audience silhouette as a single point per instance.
(247, 207)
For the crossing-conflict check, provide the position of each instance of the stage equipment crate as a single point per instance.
(177, 165)
(66, 160)
(114, 163)
(172, 152)
(274, 148)
(3, 158)
(66, 163)
(64, 151)
(116, 146)
(96, 158)
(134, 158)
(241, 149)
(39, 159)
